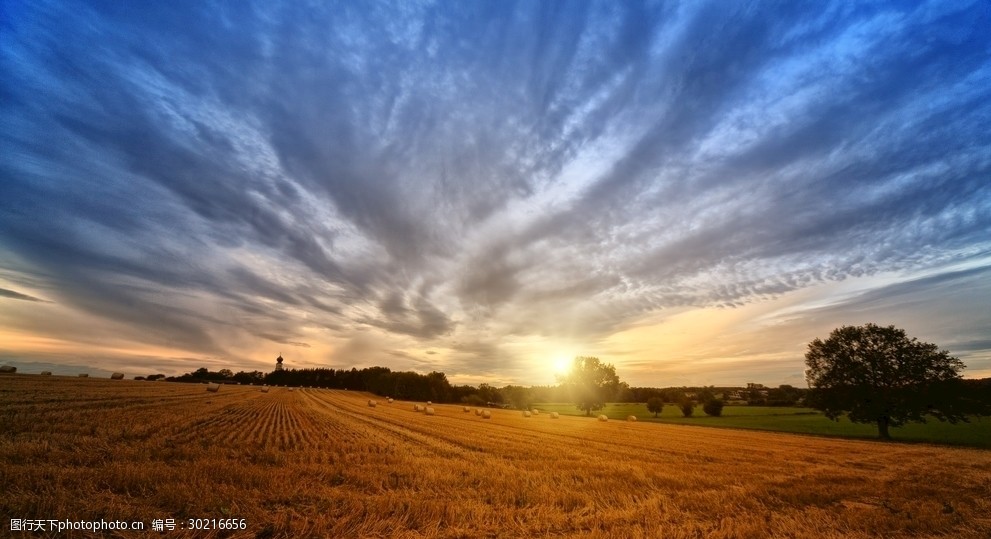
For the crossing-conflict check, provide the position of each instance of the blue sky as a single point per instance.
(691, 191)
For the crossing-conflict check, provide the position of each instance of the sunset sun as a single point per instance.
(562, 364)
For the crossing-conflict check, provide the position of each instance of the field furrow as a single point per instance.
(319, 463)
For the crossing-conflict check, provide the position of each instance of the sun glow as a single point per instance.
(562, 364)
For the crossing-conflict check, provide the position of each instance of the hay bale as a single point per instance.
(389, 400)
(429, 403)
(264, 389)
(429, 411)
(554, 415)
(8, 369)
(602, 417)
(84, 375)
(213, 387)
(117, 376)
(535, 411)
(631, 418)
(46, 373)
(466, 409)
(526, 413)
(372, 404)
(478, 412)
(292, 389)
(486, 414)
(416, 408)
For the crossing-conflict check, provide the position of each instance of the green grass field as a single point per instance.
(976, 433)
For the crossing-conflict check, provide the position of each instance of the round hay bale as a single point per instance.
(213, 387)
(429, 410)
(554, 415)
(46, 373)
(265, 389)
(535, 411)
(84, 375)
(8, 369)
(429, 403)
(117, 376)
(486, 414)
(372, 404)
(631, 418)
(526, 413)
(478, 412)
(389, 400)
(416, 407)
(466, 409)
(602, 417)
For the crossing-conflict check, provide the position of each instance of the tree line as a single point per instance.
(435, 387)
(869, 374)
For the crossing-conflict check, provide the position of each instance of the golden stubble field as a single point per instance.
(320, 463)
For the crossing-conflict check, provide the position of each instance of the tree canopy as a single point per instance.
(591, 383)
(655, 405)
(879, 375)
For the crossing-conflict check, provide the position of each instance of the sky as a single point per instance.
(690, 191)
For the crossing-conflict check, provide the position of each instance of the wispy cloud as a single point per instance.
(17, 295)
(469, 178)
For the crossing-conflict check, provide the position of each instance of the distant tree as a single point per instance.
(655, 405)
(517, 396)
(226, 373)
(489, 393)
(687, 406)
(624, 393)
(783, 395)
(253, 377)
(591, 383)
(755, 394)
(976, 396)
(713, 407)
(878, 375)
(440, 388)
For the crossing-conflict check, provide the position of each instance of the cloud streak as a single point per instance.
(17, 295)
(486, 181)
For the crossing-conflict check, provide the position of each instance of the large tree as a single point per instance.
(879, 375)
(591, 383)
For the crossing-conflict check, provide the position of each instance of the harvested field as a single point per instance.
(315, 463)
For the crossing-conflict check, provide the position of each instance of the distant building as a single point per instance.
(278, 363)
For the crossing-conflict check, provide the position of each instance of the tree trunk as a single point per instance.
(882, 428)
